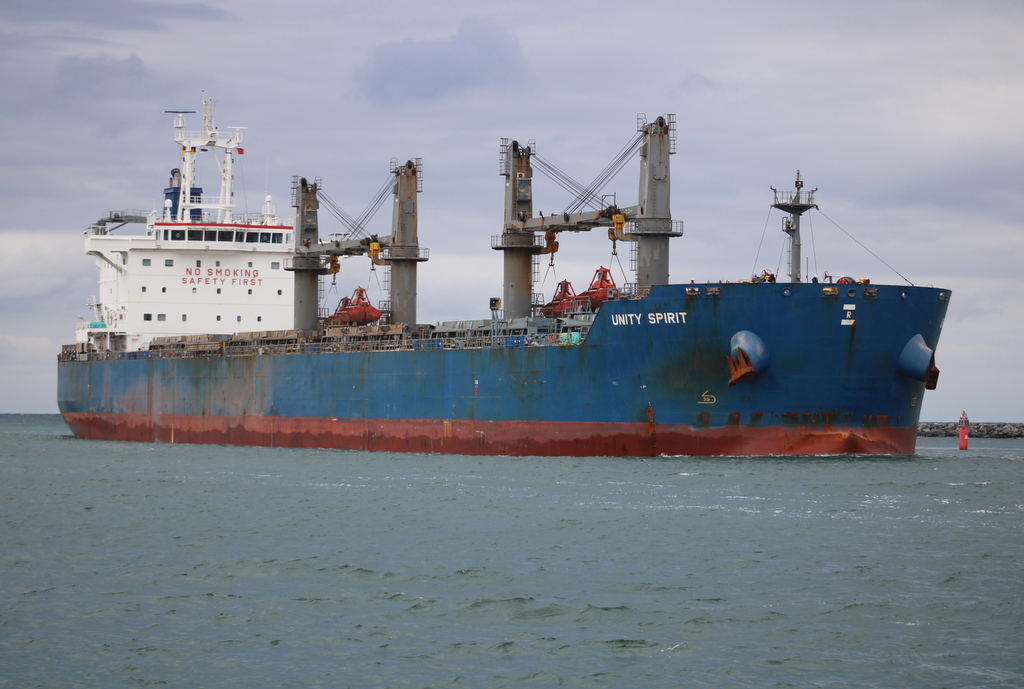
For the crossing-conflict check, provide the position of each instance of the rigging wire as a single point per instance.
(338, 212)
(377, 202)
(357, 226)
(610, 170)
(245, 195)
(866, 249)
(615, 257)
(753, 269)
(561, 179)
(588, 195)
(814, 251)
(551, 269)
(374, 277)
(333, 289)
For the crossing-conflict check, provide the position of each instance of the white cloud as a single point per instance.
(480, 55)
(118, 14)
(101, 77)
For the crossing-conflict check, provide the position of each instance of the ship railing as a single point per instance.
(208, 202)
(118, 219)
(183, 137)
(794, 198)
(652, 226)
(306, 262)
(413, 253)
(260, 219)
(517, 240)
(563, 333)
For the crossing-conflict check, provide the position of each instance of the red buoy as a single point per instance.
(965, 426)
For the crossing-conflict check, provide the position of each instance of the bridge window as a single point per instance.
(195, 235)
(177, 235)
(225, 236)
(264, 238)
(276, 238)
(210, 235)
(252, 237)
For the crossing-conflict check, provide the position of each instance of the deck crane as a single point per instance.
(648, 223)
(399, 250)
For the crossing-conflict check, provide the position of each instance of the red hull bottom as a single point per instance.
(516, 438)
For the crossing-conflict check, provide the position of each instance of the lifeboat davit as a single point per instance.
(601, 288)
(354, 310)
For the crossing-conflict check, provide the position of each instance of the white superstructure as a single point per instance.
(199, 268)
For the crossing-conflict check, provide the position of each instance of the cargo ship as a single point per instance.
(210, 327)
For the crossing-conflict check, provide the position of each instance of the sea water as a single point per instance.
(137, 564)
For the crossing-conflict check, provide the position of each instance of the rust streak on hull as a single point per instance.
(516, 438)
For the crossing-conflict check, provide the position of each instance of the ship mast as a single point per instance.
(653, 221)
(796, 203)
(516, 241)
(191, 144)
(404, 251)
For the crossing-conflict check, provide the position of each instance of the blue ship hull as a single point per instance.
(730, 369)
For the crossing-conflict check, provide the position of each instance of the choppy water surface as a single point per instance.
(204, 566)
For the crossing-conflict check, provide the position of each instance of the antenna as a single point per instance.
(179, 117)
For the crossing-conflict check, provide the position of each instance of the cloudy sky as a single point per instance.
(908, 115)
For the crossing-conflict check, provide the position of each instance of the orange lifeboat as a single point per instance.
(354, 310)
(562, 303)
(567, 301)
(599, 288)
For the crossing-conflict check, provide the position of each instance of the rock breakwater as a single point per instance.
(978, 430)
